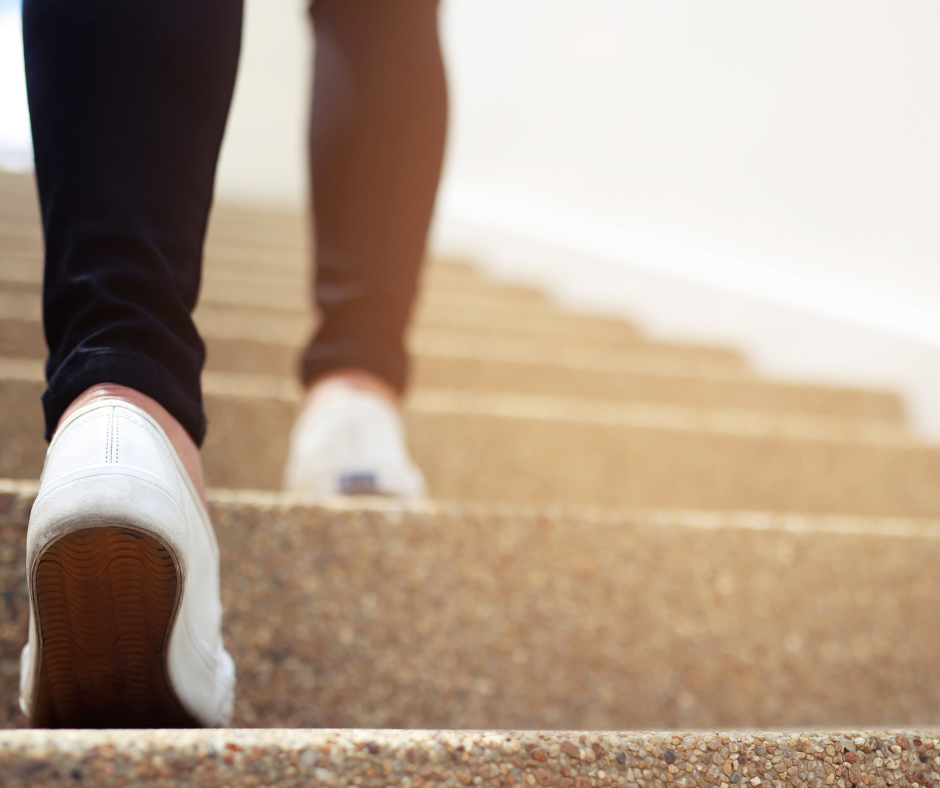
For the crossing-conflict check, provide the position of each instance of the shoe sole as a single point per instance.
(106, 598)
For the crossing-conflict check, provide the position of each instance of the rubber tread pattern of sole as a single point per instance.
(105, 599)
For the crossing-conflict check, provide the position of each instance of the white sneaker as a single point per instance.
(123, 575)
(351, 442)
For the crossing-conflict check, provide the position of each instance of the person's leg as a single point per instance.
(128, 102)
(377, 129)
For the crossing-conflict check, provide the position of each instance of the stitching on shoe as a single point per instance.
(84, 418)
(107, 440)
(145, 425)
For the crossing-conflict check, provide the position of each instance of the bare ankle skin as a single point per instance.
(349, 379)
(185, 446)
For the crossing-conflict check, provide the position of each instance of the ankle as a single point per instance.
(181, 440)
(344, 380)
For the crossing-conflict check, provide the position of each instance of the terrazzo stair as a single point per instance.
(555, 449)
(291, 292)
(650, 536)
(292, 325)
(368, 613)
(289, 306)
(375, 758)
(239, 268)
(446, 318)
(20, 328)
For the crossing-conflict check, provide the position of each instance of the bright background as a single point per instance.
(760, 174)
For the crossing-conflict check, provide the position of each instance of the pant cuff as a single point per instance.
(86, 368)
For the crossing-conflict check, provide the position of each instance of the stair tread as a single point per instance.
(253, 285)
(563, 449)
(541, 407)
(376, 757)
(371, 612)
(536, 342)
(433, 309)
(530, 614)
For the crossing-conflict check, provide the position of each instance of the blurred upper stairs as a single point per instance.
(623, 534)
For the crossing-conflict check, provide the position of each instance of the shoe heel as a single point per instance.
(106, 597)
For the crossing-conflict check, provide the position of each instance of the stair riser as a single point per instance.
(751, 393)
(459, 618)
(492, 311)
(431, 313)
(561, 461)
(20, 227)
(377, 758)
(279, 355)
(293, 331)
(21, 240)
(557, 460)
(24, 339)
(293, 293)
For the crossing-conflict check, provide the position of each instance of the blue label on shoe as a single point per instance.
(358, 484)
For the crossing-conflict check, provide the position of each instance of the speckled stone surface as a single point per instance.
(22, 336)
(449, 359)
(372, 613)
(375, 614)
(451, 371)
(450, 759)
(483, 304)
(291, 290)
(239, 268)
(453, 295)
(660, 457)
(568, 450)
(539, 340)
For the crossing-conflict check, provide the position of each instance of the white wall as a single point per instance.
(15, 143)
(263, 157)
(794, 130)
(760, 173)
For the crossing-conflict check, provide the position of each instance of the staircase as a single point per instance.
(625, 535)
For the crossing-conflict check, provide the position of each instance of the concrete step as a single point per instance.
(555, 449)
(373, 758)
(370, 613)
(254, 228)
(291, 291)
(234, 270)
(275, 236)
(448, 308)
(459, 361)
(17, 193)
(273, 349)
(469, 373)
(541, 340)
(264, 283)
(257, 244)
(650, 454)
(256, 238)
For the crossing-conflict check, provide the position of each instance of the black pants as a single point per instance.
(128, 101)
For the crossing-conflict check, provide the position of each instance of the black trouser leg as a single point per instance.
(376, 142)
(128, 101)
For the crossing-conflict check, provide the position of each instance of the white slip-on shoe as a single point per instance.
(125, 624)
(351, 442)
